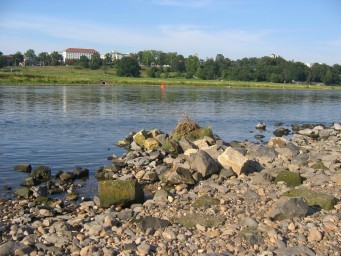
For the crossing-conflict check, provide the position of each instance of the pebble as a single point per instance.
(314, 235)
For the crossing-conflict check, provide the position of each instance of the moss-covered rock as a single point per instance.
(119, 192)
(22, 192)
(140, 137)
(171, 146)
(292, 179)
(205, 201)
(190, 130)
(151, 143)
(314, 198)
(319, 165)
(190, 220)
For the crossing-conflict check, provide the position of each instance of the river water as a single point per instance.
(68, 126)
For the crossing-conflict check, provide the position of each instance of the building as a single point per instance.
(115, 55)
(76, 53)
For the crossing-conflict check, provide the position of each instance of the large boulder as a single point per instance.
(287, 208)
(140, 137)
(151, 143)
(292, 179)
(314, 198)
(178, 175)
(42, 173)
(119, 192)
(234, 159)
(205, 164)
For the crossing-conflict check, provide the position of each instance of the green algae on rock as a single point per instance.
(314, 198)
(292, 179)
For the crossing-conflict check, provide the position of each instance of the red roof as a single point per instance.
(80, 50)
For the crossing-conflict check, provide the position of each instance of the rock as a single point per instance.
(308, 132)
(337, 126)
(234, 159)
(205, 164)
(297, 250)
(280, 132)
(30, 181)
(66, 176)
(72, 197)
(149, 222)
(314, 235)
(80, 173)
(106, 172)
(201, 144)
(277, 142)
(23, 168)
(140, 137)
(300, 159)
(265, 154)
(319, 165)
(178, 175)
(118, 192)
(150, 176)
(190, 220)
(22, 192)
(287, 208)
(151, 144)
(8, 248)
(292, 179)
(42, 174)
(313, 198)
(205, 201)
(144, 248)
(39, 191)
(185, 144)
(161, 195)
(261, 126)
(226, 173)
(171, 147)
(250, 222)
(336, 178)
(169, 235)
(251, 235)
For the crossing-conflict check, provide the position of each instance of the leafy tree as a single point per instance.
(18, 58)
(44, 58)
(95, 61)
(209, 69)
(2, 60)
(128, 67)
(179, 64)
(83, 62)
(107, 60)
(192, 64)
(30, 54)
(56, 58)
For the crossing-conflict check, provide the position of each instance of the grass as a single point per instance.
(69, 75)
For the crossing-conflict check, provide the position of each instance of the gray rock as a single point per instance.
(190, 220)
(297, 250)
(22, 192)
(161, 195)
(186, 144)
(151, 176)
(153, 223)
(300, 160)
(178, 175)
(250, 222)
(144, 248)
(265, 154)
(205, 164)
(39, 191)
(226, 173)
(287, 208)
(80, 173)
(30, 181)
(8, 248)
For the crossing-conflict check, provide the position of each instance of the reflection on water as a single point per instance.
(67, 126)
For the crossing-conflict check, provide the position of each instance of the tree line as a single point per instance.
(160, 64)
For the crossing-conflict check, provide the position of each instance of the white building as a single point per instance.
(115, 55)
(76, 53)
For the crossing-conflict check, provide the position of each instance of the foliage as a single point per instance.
(190, 130)
(128, 67)
(95, 61)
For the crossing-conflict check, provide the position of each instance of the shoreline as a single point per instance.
(235, 210)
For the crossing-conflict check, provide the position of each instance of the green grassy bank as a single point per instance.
(69, 75)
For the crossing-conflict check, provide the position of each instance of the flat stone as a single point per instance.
(287, 208)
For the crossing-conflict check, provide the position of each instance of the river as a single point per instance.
(67, 126)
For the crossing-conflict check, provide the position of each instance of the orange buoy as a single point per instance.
(163, 86)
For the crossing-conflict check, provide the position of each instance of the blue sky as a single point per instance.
(300, 30)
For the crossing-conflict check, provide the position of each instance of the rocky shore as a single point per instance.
(187, 193)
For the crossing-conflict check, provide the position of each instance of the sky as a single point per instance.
(308, 31)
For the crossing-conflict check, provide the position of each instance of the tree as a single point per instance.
(2, 60)
(44, 58)
(192, 64)
(179, 64)
(56, 58)
(83, 61)
(18, 58)
(95, 61)
(128, 67)
(30, 54)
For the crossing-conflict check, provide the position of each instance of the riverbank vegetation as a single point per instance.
(156, 67)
